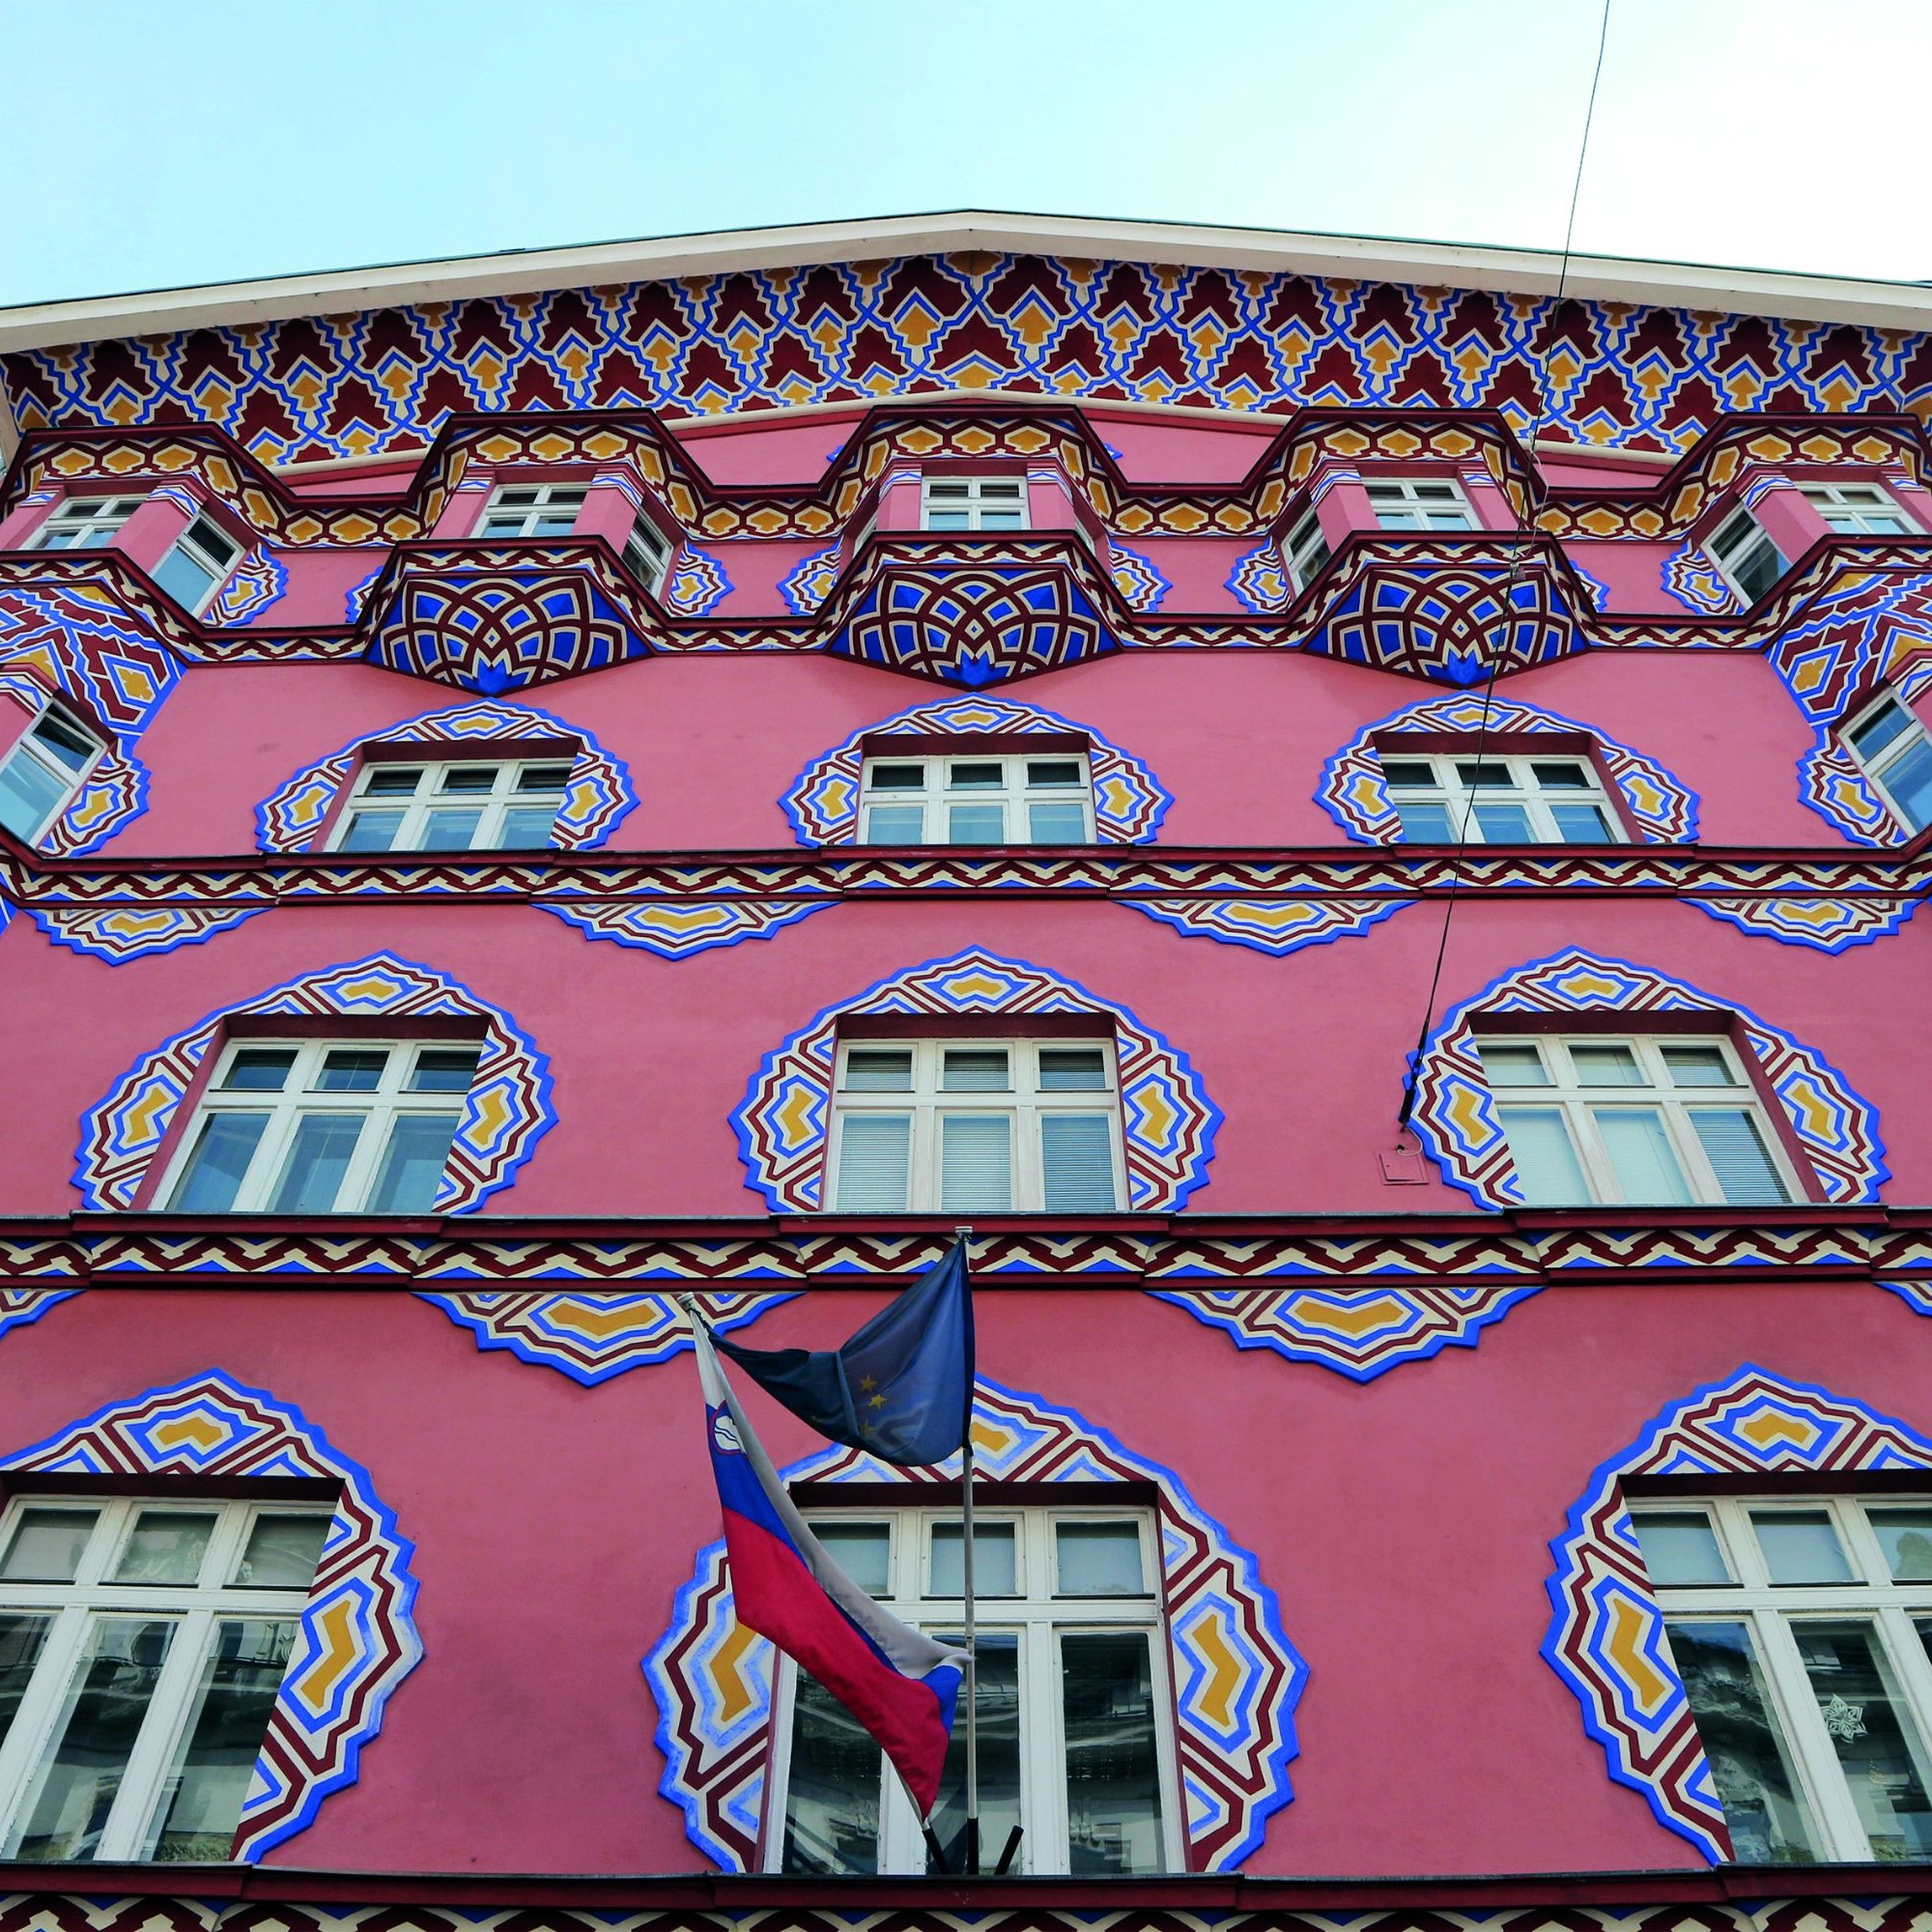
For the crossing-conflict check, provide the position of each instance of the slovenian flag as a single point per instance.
(898, 1683)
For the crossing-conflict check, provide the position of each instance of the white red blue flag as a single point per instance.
(897, 1682)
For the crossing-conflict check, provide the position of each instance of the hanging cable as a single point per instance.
(1535, 494)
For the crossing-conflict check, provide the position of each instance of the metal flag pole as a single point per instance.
(972, 1655)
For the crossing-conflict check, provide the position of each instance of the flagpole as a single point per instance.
(965, 1236)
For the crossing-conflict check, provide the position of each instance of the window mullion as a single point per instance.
(1816, 1757)
(124, 1836)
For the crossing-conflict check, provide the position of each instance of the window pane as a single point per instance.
(1866, 1716)
(996, 1705)
(352, 1069)
(282, 1553)
(444, 1069)
(46, 1545)
(1407, 772)
(20, 1640)
(1546, 1163)
(370, 832)
(220, 1160)
(896, 778)
(449, 831)
(1113, 1776)
(1504, 824)
(995, 1561)
(1640, 1152)
(874, 1151)
(973, 1071)
(895, 825)
(312, 1172)
(183, 577)
(543, 777)
(1876, 731)
(1679, 1547)
(1698, 1067)
(259, 1070)
(1485, 776)
(1067, 1070)
(1425, 824)
(881, 1069)
(863, 1550)
(1605, 1066)
(976, 824)
(1077, 1156)
(470, 778)
(832, 1795)
(392, 782)
(28, 794)
(1583, 825)
(80, 1770)
(976, 1163)
(412, 1163)
(1512, 1066)
(1905, 1535)
(1099, 1559)
(526, 827)
(1908, 780)
(164, 1546)
(1744, 1743)
(969, 777)
(1057, 823)
(1053, 771)
(1746, 1175)
(216, 1758)
(63, 742)
(1800, 1547)
(1561, 776)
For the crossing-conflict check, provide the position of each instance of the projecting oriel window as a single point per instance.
(1039, 798)
(972, 503)
(533, 510)
(84, 523)
(1500, 801)
(1641, 1121)
(1306, 551)
(1746, 557)
(1411, 503)
(1859, 510)
(43, 770)
(198, 565)
(1075, 1732)
(1800, 1626)
(962, 1126)
(142, 1645)
(453, 805)
(323, 1127)
(1888, 741)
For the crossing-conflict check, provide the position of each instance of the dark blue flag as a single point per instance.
(901, 1388)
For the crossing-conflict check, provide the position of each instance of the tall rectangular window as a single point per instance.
(198, 565)
(453, 805)
(1500, 801)
(1888, 741)
(954, 502)
(1041, 798)
(84, 523)
(1306, 551)
(648, 551)
(42, 771)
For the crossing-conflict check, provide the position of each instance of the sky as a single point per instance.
(156, 143)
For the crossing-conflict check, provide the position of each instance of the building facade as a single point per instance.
(1360, 824)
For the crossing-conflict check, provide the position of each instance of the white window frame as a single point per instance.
(1039, 1618)
(977, 503)
(380, 1107)
(648, 551)
(85, 523)
(1773, 1611)
(1015, 794)
(24, 749)
(1405, 495)
(1853, 509)
(1305, 550)
(1738, 540)
(193, 544)
(1578, 1100)
(546, 500)
(135, 1819)
(926, 1104)
(495, 805)
(1888, 756)
(1459, 799)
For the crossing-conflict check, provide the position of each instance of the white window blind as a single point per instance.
(874, 1155)
(976, 1163)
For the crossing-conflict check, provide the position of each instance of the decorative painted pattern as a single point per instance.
(1457, 1123)
(1607, 1639)
(1260, 581)
(592, 1336)
(1352, 792)
(114, 791)
(696, 584)
(1136, 578)
(810, 580)
(120, 933)
(1698, 584)
(258, 580)
(1825, 924)
(358, 1640)
(507, 1111)
(822, 804)
(597, 797)
(19, 1306)
(1275, 926)
(1168, 1121)
(1360, 1332)
(680, 928)
(1915, 1293)
(1237, 1678)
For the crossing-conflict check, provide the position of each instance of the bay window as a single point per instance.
(980, 798)
(1746, 557)
(198, 565)
(1890, 743)
(1413, 504)
(84, 523)
(1306, 551)
(453, 805)
(533, 510)
(1859, 510)
(955, 502)
(43, 770)
(1512, 801)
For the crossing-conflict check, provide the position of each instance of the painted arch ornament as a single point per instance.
(1457, 1122)
(507, 1111)
(1354, 795)
(1129, 802)
(598, 796)
(1607, 1638)
(357, 1639)
(1237, 1678)
(1167, 1123)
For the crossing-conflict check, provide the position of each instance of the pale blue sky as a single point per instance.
(154, 142)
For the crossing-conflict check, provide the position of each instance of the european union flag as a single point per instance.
(901, 1388)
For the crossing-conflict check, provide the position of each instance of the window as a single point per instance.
(965, 1126)
(453, 808)
(533, 510)
(1743, 552)
(42, 771)
(648, 552)
(1800, 1627)
(1641, 1121)
(1306, 551)
(323, 1127)
(972, 503)
(1859, 510)
(141, 1647)
(1500, 801)
(195, 568)
(84, 523)
(1409, 504)
(1891, 745)
(986, 799)
(1072, 1705)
